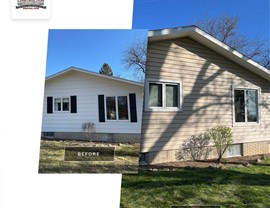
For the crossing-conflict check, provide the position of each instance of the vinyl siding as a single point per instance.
(207, 80)
(87, 88)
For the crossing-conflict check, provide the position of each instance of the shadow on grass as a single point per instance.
(197, 176)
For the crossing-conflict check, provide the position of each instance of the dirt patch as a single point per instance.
(227, 162)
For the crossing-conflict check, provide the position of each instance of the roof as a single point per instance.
(93, 74)
(204, 38)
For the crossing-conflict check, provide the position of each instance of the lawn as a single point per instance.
(230, 187)
(52, 159)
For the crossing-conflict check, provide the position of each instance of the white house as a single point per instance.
(74, 96)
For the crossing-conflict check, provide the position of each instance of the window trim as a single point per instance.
(258, 89)
(62, 111)
(163, 83)
(116, 105)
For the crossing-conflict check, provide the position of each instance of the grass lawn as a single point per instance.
(230, 187)
(52, 159)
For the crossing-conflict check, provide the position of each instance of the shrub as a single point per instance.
(89, 129)
(195, 148)
(221, 136)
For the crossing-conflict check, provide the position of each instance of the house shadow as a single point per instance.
(221, 99)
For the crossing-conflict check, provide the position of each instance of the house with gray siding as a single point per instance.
(195, 82)
(74, 96)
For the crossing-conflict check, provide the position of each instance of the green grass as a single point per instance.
(230, 187)
(52, 159)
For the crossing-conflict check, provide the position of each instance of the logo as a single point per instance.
(30, 4)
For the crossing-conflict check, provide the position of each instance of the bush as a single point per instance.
(89, 129)
(221, 136)
(195, 148)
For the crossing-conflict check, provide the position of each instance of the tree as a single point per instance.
(221, 136)
(134, 56)
(106, 69)
(89, 129)
(225, 28)
(194, 148)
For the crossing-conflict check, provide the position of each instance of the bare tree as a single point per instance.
(134, 56)
(225, 28)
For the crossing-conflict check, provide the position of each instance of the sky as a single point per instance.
(158, 14)
(89, 49)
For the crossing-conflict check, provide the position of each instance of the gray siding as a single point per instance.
(207, 80)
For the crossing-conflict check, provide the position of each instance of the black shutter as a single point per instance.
(49, 104)
(73, 101)
(101, 110)
(133, 108)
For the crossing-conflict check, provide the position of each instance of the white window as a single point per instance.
(117, 108)
(246, 108)
(61, 104)
(163, 95)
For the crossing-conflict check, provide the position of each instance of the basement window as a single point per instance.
(235, 150)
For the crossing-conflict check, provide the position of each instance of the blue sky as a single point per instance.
(89, 49)
(157, 14)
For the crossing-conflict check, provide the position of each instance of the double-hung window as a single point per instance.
(163, 95)
(246, 108)
(61, 104)
(117, 107)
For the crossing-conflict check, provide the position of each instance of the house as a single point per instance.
(195, 82)
(74, 96)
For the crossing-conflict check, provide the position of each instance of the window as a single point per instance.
(235, 150)
(111, 108)
(122, 108)
(246, 106)
(61, 104)
(117, 113)
(163, 95)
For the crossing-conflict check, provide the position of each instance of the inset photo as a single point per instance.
(93, 100)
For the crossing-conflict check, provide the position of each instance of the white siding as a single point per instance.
(87, 88)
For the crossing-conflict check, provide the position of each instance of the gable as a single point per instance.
(211, 42)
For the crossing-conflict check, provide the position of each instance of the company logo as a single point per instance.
(30, 4)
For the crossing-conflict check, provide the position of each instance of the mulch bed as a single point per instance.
(226, 162)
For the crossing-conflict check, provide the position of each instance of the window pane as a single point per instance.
(65, 104)
(171, 95)
(111, 108)
(57, 104)
(235, 150)
(155, 95)
(122, 108)
(239, 105)
(252, 105)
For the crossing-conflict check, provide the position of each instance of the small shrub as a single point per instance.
(195, 148)
(221, 136)
(89, 129)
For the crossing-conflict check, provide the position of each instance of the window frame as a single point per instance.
(62, 111)
(117, 110)
(164, 83)
(246, 122)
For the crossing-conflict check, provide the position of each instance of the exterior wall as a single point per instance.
(102, 137)
(207, 80)
(253, 148)
(87, 88)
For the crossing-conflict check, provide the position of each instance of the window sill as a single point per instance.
(247, 124)
(163, 109)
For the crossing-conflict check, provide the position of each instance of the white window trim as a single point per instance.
(61, 111)
(116, 105)
(258, 108)
(163, 82)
